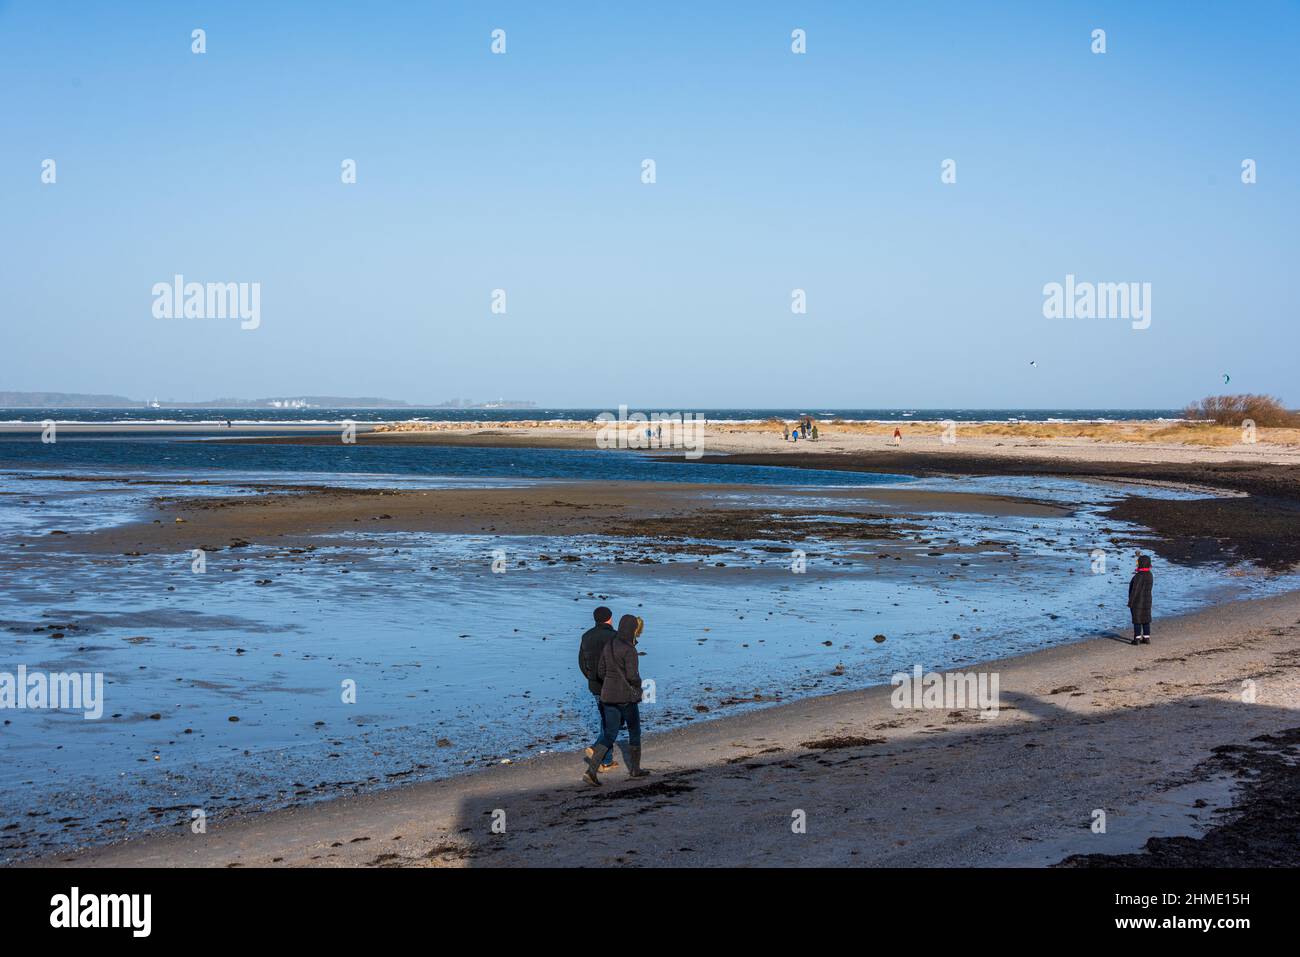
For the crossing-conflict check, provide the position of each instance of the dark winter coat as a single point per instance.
(620, 671)
(1139, 597)
(593, 643)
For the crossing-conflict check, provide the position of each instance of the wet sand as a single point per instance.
(1261, 525)
(1264, 528)
(624, 509)
(1139, 733)
(1260, 522)
(437, 639)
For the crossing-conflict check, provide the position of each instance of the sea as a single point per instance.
(318, 416)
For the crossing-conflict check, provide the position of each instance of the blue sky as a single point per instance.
(775, 171)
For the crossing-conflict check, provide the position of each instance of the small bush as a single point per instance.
(1266, 411)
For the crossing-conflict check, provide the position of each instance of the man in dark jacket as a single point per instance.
(593, 645)
(620, 694)
(1139, 601)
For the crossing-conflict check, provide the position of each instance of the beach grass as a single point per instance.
(1185, 433)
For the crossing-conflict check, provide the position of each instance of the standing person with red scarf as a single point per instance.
(1139, 601)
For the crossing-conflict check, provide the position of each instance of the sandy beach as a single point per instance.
(1128, 441)
(1158, 737)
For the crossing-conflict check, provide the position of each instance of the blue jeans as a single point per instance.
(600, 732)
(616, 717)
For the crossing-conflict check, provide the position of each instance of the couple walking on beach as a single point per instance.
(607, 658)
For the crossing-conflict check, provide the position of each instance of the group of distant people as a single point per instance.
(806, 429)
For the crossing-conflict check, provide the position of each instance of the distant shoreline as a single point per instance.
(162, 428)
(76, 421)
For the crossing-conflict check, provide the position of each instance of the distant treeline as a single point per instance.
(65, 400)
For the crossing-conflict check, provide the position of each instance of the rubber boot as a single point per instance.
(634, 769)
(609, 765)
(593, 755)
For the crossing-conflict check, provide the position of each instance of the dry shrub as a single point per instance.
(1264, 410)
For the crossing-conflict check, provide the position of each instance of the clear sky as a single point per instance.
(775, 171)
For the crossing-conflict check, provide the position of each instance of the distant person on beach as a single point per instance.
(898, 437)
(589, 652)
(1139, 601)
(794, 436)
(814, 433)
(620, 696)
(785, 432)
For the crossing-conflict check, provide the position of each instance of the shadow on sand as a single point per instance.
(959, 791)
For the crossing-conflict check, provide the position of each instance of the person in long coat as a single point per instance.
(1139, 601)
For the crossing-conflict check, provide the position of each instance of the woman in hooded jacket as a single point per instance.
(620, 696)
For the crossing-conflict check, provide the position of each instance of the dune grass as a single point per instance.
(1188, 433)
